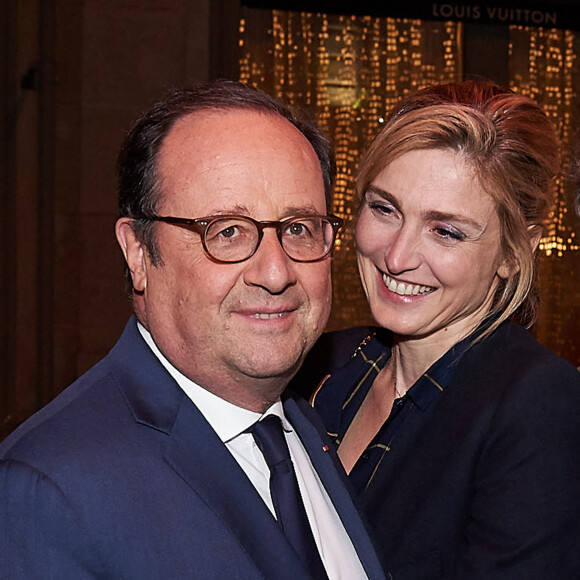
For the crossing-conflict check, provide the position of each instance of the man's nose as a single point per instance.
(270, 267)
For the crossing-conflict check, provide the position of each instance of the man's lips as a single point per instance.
(261, 313)
(268, 315)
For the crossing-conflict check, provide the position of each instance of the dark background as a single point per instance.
(75, 75)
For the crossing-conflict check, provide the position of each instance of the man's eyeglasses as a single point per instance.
(230, 239)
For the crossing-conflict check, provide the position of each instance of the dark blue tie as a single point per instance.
(286, 497)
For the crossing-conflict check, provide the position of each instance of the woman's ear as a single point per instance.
(535, 234)
(509, 267)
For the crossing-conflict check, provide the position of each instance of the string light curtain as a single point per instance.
(348, 71)
(345, 72)
(542, 66)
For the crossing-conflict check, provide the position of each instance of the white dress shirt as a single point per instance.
(231, 424)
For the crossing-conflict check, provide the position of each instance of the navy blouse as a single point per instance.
(340, 396)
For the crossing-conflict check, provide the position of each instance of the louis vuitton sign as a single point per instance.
(530, 13)
(495, 14)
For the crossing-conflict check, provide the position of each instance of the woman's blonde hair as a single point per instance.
(513, 149)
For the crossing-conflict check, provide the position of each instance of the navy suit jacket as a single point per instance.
(122, 477)
(487, 485)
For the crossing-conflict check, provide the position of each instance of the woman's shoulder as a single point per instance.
(511, 365)
(331, 352)
(512, 349)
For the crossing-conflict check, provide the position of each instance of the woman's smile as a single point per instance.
(428, 244)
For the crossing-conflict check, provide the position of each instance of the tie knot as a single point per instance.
(269, 436)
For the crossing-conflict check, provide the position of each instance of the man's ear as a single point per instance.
(134, 252)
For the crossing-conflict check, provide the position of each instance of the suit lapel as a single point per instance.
(323, 461)
(198, 456)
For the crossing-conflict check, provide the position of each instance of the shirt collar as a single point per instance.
(438, 377)
(227, 420)
(429, 385)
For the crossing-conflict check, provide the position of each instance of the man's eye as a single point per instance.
(297, 229)
(229, 232)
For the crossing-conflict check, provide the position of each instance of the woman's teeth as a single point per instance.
(404, 289)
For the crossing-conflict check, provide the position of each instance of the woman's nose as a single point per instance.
(403, 252)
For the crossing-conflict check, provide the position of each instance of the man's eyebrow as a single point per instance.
(290, 211)
(233, 210)
(301, 210)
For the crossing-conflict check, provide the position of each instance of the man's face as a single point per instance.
(239, 330)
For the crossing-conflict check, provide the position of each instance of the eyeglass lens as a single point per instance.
(234, 239)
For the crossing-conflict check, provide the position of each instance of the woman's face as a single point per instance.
(428, 244)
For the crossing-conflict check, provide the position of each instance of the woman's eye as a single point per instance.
(449, 234)
(381, 208)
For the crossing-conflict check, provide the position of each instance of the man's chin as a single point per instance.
(264, 366)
